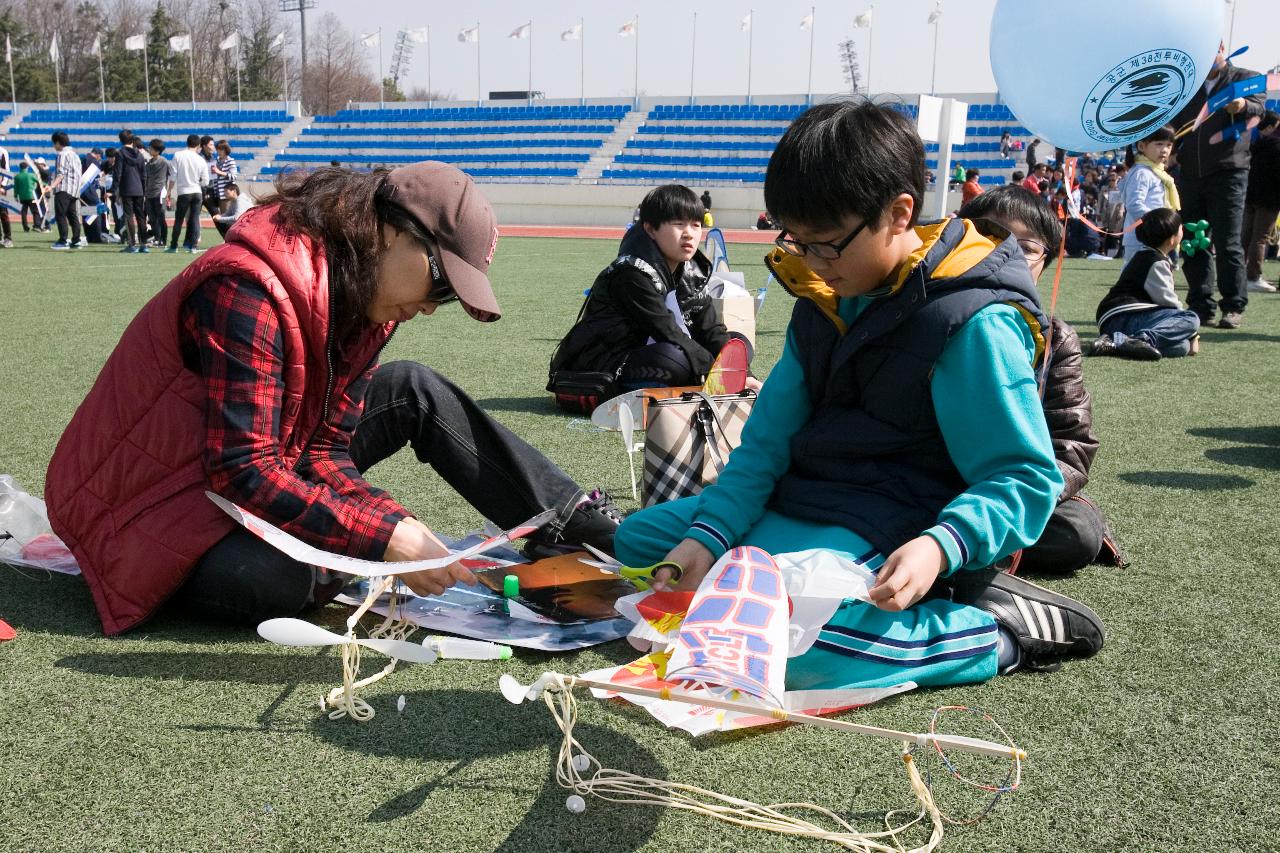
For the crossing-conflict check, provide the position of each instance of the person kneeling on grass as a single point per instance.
(901, 425)
(1077, 533)
(1141, 316)
(254, 374)
(648, 321)
(239, 204)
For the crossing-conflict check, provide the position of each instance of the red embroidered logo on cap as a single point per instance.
(493, 247)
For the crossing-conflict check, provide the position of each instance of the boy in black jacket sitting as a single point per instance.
(648, 320)
(1141, 316)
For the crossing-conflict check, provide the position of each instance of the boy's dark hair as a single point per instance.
(193, 141)
(1043, 185)
(229, 187)
(60, 137)
(157, 145)
(841, 159)
(1012, 203)
(205, 140)
(125, 136)
(668, 203)
(1269, 119)
(1157, 226)
(1044, 166)
(970, 174)
(1017, 177)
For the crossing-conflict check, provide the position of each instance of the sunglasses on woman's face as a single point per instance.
(441, 292)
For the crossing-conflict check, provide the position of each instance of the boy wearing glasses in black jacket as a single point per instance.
(901, 426)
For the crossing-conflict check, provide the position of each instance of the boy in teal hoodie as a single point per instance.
(901, 426)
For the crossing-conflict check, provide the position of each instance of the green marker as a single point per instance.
(510, 590)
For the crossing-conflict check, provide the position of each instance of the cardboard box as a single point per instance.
(738, 313)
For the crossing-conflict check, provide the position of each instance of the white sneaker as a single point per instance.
(82, 242)
(1098, 257)
(1259, 285)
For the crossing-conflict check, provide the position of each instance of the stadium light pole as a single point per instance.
(301, 7)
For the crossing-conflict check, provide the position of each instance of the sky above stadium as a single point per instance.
(901, 61)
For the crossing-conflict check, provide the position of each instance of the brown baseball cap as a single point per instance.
(448, 205)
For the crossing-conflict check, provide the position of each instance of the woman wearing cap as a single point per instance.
(254, 374)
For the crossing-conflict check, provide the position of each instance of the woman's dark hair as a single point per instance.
(842, 159)
(671, 203)
(346, 211)
(1157, 226)
(1012, 203)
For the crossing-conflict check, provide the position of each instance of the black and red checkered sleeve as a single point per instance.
(231, 329)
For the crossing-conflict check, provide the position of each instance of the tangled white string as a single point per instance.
(343, 700)
(581, 772)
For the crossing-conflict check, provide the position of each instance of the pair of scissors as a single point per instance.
(642, 578)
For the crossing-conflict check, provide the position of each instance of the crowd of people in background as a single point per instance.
(124, 194)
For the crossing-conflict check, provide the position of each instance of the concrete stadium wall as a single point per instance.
(607, 204)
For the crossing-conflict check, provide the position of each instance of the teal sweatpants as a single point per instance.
(934, 643)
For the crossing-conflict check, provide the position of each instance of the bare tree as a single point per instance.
(336, 71)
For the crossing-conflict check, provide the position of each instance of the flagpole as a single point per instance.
(146, 74)
(530, 93)
(693, 56)
(430, 91)
(871, 34)
(933, 75)
(382, 81)
(102, 80)
(808, 98)
(13, 89)
(239, 99)
(751, 37)
(191, 66)
(284, 80)
(57, 73)
(582, 63)
(479, 90)
(637, 63)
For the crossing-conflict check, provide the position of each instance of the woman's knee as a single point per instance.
(645, 537)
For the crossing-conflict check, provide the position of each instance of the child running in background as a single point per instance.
(1147, 185)
(1141, 317)
(901, 426)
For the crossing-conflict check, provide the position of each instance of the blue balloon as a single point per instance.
(1119, 83)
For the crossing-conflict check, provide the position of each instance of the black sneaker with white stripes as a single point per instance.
(593, 521)
(1046, 624)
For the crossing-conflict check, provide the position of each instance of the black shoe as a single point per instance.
(1137, 349)
(1230, 320)
(1104, 345)
(593, 522)
(1046, 624)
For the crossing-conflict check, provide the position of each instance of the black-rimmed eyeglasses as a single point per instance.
(824, 251)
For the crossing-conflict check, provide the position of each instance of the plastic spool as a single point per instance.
(575, 804)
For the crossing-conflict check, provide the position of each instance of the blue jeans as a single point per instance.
(1169, 330)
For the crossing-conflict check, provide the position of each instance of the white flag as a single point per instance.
(180, 43)
(95, 49)
(469, 34)
(138, 42)
(229, 42)
(864, 20)
(278, 41)
(935, 14)
(806, 23)
(522, 31)
(627, 29)
(574, 33)
(53, 49)
(372, 39)
(746, 23)
(419, 36)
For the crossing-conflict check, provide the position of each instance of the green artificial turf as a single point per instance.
(182, 736)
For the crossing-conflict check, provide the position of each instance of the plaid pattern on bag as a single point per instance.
(687, 442)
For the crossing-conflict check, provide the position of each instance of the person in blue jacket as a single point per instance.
(901, 425)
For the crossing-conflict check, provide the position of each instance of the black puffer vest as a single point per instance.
(872, 457)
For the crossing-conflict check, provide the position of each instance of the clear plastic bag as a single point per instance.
(25, 536)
